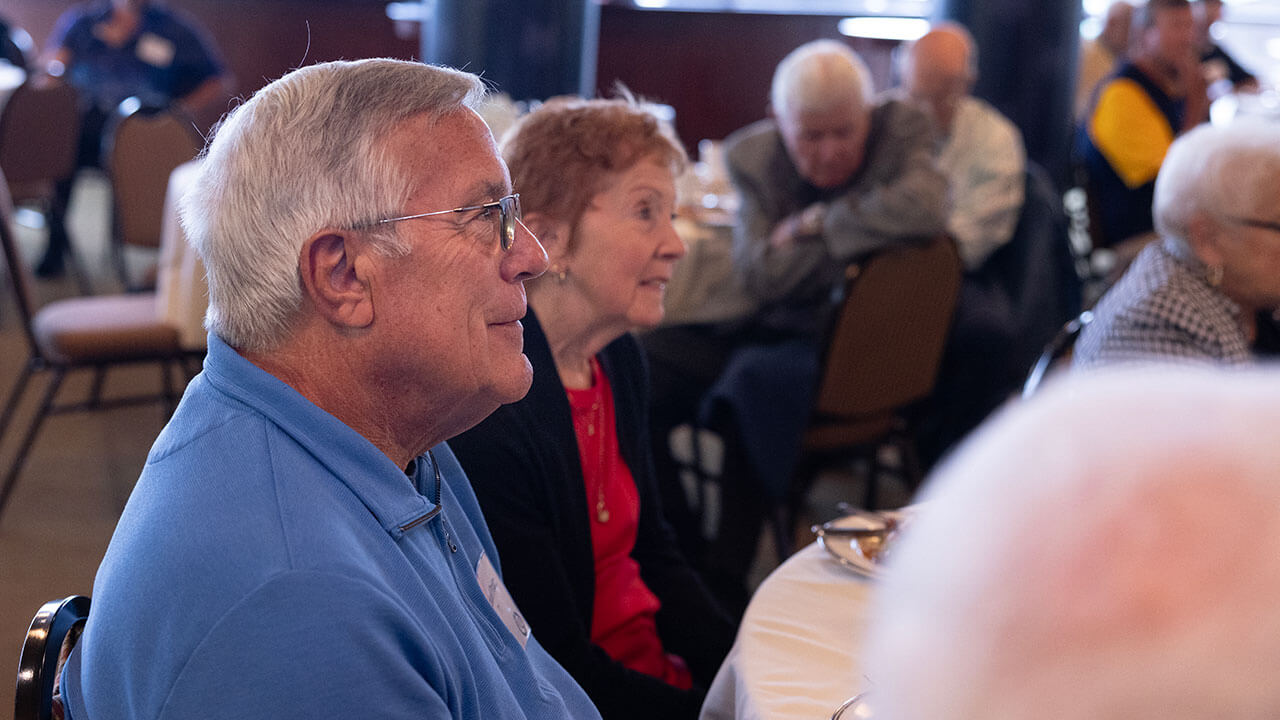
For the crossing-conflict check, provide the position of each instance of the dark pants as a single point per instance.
(745, 395)
(88, 154)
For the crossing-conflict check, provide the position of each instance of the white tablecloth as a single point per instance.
(704, 287)
(182, 294)
(796, 654)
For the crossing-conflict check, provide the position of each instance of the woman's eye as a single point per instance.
(645, 212)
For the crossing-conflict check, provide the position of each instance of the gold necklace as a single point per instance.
(596, 421)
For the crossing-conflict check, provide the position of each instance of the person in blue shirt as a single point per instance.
(111, 50)
(302, 542)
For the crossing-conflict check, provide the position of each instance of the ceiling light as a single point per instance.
(884, 28)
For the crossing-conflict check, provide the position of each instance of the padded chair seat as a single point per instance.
(103, 329)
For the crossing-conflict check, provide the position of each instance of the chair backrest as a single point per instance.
(887, 337)
(54, 631)
(1058, 350)
(144, 149)
(39, 133)
(19, 274)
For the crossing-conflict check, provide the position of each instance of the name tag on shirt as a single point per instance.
(155, 50)
(496, 593)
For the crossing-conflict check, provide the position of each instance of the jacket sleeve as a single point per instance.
(768, 274)
(903, 195)
(988, 171)
(899, 196)
(510, 466)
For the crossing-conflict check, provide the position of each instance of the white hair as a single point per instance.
(1214, 170)
(1110, 549)
(817, 76)
(305, 153)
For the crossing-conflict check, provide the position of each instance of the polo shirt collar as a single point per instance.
(390, 495)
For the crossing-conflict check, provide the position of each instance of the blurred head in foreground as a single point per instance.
(1110, 550)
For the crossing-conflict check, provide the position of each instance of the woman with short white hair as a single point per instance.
(1197, 293)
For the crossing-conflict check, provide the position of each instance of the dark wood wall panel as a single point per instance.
(263, 39)
(713, 68)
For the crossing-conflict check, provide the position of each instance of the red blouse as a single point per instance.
(622, 621)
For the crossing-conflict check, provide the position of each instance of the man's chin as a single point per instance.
(519, 383)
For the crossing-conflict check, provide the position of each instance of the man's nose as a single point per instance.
(526, 259)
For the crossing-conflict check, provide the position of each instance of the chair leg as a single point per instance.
(190, 364)
(166, 383)
(15, 395)
(912, 469)
(118, 259)
(783, 523)
(874, 468)
(95, 389)
(45, 404)
(83, 284)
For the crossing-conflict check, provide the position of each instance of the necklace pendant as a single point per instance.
(602, 513)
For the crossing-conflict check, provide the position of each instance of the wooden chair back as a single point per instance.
(144, 149)
(886, 342)
(19, 274)
(39, 135)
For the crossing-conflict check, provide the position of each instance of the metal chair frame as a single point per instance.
(40, 361)
(39, 136)
(141, 149)
(1055, 351)
(54, 631)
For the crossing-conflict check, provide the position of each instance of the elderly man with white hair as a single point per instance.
(1195, 295)
(302, 543)
(832, 176)
(1108, 550)
(978, 149)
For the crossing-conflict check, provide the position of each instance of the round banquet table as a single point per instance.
(182, 293)
(796, 654)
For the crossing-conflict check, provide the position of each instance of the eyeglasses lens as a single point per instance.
(510, 210)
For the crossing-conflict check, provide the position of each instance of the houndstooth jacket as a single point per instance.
(1163, 309)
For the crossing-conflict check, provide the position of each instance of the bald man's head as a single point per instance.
(940, 69)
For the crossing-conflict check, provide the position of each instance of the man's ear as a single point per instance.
(333, 268)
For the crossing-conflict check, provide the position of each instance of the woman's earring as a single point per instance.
(1213, 275)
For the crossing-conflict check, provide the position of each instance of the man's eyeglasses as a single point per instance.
(1251, 222)
(508, 209)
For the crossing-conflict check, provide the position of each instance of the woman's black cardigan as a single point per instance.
(523, 463)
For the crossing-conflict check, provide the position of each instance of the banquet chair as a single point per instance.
(144, 147)
(881, 359)
(39, 134)
(1056, 353)
(94, 332)
(54, 631)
